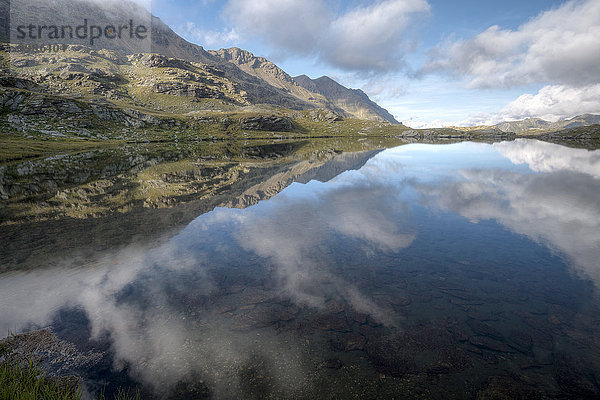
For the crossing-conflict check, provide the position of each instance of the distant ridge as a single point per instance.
(543, 125)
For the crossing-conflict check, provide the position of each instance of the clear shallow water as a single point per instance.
(434, 271)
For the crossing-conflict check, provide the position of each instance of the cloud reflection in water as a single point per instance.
(168, 310)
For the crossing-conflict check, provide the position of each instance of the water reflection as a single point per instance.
(436, 271)
(558, 207)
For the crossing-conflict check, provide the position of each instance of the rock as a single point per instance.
(489, 344)
(401, 301)
(254, 295)
(507, 388)
(357, 317)
(174, 88)
(543, 335)
(438, 369)
(330, 323)
(272, 123)
(353, 341)
(333, 363)
(520, 341)
(160, 61)
(259, 317)
(575, 380)
(334, 307)
(195, 388)
(482, 316)
(422, 348)
(484, 329)
(390, 356)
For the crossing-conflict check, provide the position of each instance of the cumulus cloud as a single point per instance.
(161, 304)
(149, 330)
(289, 25)
(366, 39)
(559, 46)
(554, 102)
(209, 38)
(372, 37)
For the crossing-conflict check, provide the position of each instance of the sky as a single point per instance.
(429, 62)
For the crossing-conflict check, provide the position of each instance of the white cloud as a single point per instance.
(551, 103)
(372, 37)
(293, 232)
(369, 38)
(209, 38)
(289, 25)
(559, 46)
(555, 102)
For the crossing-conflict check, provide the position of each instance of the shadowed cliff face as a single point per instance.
(112, 197)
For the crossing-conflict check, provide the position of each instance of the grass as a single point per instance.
(29, 383)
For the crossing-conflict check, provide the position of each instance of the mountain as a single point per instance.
(538, 124)
(256, 79)
(354, 102)
(523, 125)
(162, 40)
(265, 70)
(323, 92)
(580, 120)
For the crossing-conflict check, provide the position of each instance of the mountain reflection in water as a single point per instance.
(442, 271)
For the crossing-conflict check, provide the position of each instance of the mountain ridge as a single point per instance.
(354, 101)
(323, 92)
(539, 124)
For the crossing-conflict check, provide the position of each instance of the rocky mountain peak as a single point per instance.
(249, 62)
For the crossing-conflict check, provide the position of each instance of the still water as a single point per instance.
(464, 270)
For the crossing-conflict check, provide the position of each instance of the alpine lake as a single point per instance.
(311, 269)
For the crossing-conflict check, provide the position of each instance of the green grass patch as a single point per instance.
(29, 383)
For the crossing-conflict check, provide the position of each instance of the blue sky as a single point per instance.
(429, 62)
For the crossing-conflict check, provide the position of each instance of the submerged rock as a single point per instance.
(487, 343)
(330, 323)
(259, 317)
(481, 328)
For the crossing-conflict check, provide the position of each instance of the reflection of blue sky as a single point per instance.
(427, 162)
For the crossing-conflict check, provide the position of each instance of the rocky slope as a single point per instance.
(265, 70)
(354, 102)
